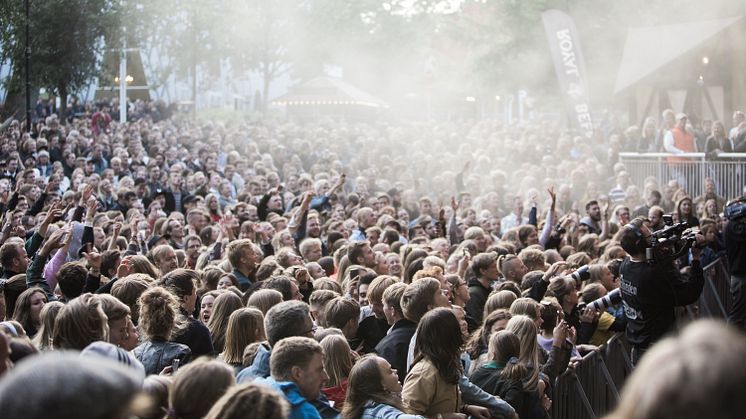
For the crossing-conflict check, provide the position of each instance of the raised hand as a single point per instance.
(94, 259)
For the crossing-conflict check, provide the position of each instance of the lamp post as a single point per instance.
(123, 75)
(28, 70)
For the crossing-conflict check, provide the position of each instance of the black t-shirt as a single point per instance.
(650, 292)
(735, 245)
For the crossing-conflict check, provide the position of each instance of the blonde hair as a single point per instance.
(245, 326)
(526, 330)
(48, 317)
(497, 300)
(158, 313)
(81, 322)
(337, 360)
(693, 375)
(265, 299)
(225, 304)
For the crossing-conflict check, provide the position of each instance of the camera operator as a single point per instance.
(735, 246)
(651, 290)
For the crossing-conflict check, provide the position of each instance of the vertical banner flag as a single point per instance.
(570, 67)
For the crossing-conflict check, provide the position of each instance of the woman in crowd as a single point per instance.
(337, 363)
(81, 322)
(431, 386)
(43, 339)
(122, 331)
(159, 318)
(196, 388)
(28, 310)
(225, 304)
(374, 391)
(245, 326)
(504, 376)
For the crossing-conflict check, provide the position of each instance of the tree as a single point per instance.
(67, 40)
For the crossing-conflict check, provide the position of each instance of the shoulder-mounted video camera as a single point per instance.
(735, 209)
(671, 241)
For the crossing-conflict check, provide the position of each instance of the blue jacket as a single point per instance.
(258, 369)
(300, 407)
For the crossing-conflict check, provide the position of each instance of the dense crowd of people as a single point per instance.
(169, 267)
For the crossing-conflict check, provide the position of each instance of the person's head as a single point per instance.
(28, 308)
(13, 257)
(44, 336)
(264, 299)
(392, 302)
(688, 376)
(128, 291)
(289, 318)
(601, 274)
(242, 256)
(81, 322)
(684, 208)
(225, 304)
(563, 289)
(183, 284)
(527, 307)
(300, 360)
(260, 400)
(165, 258)
(285, 285)
(635, 237)
(337, 359)
(71, 279)
(484, 265)
(655, 215)
(360, 253)
(310, 249)
(159, 310)
(440, 341)
(343, 313)
(593, 210)
(122, 331)
(66, 385)
(421, 296)
(371, 379)
(197, 386)
(505, 349)
(245, 326)
(512, 268)
(318, 301)
(525, 329)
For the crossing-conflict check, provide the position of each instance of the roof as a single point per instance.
(328, 91)
(649, 48)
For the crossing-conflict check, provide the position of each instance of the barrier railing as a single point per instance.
(590, 390)
(690, 169)
(715, 299)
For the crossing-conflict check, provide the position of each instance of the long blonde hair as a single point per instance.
(245, 326)
(526, 330)
(337, 359)
(48, 316)
(225, 304)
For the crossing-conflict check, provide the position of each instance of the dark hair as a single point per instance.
(439, 340)
(632, 241)
(282, 283)
(590, 204)
(180, 281)
(365, 384)
(71, 279)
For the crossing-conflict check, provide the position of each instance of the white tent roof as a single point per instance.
(650, 48)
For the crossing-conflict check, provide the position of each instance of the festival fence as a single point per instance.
(591, 389)
(690, 169)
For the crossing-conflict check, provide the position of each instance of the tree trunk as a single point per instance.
(63, 104)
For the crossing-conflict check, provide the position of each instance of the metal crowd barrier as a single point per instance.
(690, 169)
(590, 390)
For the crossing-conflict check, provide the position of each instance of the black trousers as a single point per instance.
(737, 314)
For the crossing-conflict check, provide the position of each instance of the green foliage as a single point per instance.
(67, 38)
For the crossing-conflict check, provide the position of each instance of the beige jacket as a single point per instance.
(426, 393)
